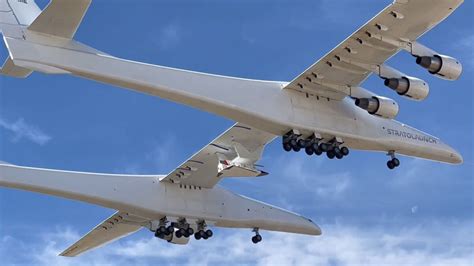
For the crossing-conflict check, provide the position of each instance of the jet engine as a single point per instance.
(380, 106)
(410, 87)
(442, 66)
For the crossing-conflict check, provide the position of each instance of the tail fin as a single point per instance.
(60, 19)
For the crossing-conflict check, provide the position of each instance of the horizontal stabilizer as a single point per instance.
(61, 18)
(10, 69)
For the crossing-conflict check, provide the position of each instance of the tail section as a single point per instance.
(22, 22)
(61, 18)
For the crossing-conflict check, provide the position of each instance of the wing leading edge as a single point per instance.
(362, 54)
(118, 225)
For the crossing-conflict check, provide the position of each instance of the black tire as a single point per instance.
(178, 234)
(318, 152)
(169, 230)
(205, 237)
(337, 150)
(301, 143)
(324, 147)
(190, 231)
(162, 229)
(209, 233)
(197, 236)
(309, 150)
(254, 240)
(202, 233)
(259, 238)
(396, 162)
(339, 155)
(390, 165)
(345, 151)
(293, 143)
(287, 147)
(285, 139)
(296, 148)
(330, 154)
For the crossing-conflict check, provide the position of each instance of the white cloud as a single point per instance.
(169, 36)
(20, 129)
(425, 244)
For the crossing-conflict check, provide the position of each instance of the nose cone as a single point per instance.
(456, 157)
(312, 228)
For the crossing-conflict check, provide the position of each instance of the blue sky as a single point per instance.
(422, 213)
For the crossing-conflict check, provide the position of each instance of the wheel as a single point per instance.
(330, 154)
(302, 143)
(190, 231)
(202, 233)
(169, 230)
(339, 155)
(209, 233)
(287, 147)
(162, 229)
(293, 143)
(254, 240)
(158, 234)
(259, 238)
(345, 151)
(178, 234)
(285, 139)
(396, 162)
(390, 165)
(205, 237)
(323, 147)
(197, 236)
(309, 150)
(318, 152)
(337, 150)
(296, 148)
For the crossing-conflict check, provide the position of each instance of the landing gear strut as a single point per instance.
(257, 238)
(393, 162)
(163, 231)
(202, 233)
(293, 141)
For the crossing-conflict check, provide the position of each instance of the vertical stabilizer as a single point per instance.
(22, 12)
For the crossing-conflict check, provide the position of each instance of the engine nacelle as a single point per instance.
(442, 66)
(410, 87)
(380, 106)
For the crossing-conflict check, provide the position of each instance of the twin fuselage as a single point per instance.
(147, 197)
(261, 104)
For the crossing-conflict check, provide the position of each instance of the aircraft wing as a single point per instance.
(233, 154)
(350, 63)
(115, 227)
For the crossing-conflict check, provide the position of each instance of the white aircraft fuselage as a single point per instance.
(262, 104)
(154, 200)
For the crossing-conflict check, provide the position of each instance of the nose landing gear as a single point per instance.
(257, 238)
(393, 162)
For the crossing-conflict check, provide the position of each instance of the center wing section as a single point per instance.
(350, 63)
(233, 154)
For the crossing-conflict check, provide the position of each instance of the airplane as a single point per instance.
(176, 206)
(323, 110)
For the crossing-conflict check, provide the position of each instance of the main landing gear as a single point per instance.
(163, 231)
(393, 162)
(202, 233)
(314, 145)
(257, 237)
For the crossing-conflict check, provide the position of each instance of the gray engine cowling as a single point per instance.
(410, 87)
(380, 106)
(443, 66)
